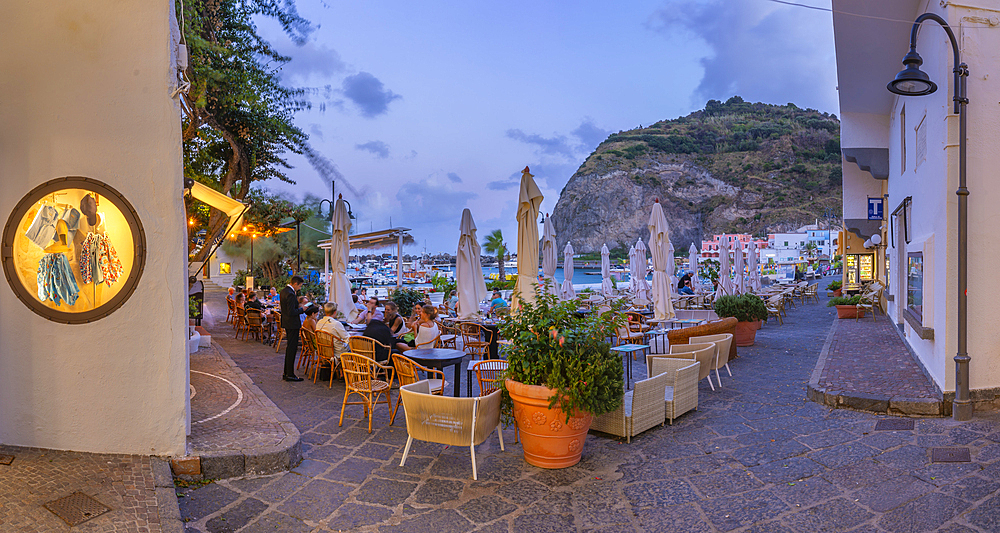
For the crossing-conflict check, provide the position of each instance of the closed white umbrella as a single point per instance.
(607, 288)
(659, 250)
(754, 267)
(725, 282)
(671, 264)
(340, 286)
(642, 290)
(549, 262)
(693, 263)
(568, 293)
(468, 269)
(632, 261)
(740, 285)
(529, 201)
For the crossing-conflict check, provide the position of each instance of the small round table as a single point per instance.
(438, 358)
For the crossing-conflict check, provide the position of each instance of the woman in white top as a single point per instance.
(426, 329)
(331, 325)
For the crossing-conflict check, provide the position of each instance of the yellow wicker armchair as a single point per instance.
(325, 355)
(449, 421)
(723, 340)
(681, 394)
(705, 353)
(361, 377)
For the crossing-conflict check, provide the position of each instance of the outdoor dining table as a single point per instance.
(438, 358)
(627, 350)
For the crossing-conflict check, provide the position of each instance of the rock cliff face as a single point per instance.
(734, 167)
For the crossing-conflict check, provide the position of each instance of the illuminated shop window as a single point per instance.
(225, 268)
(915, 283)
(73, 250)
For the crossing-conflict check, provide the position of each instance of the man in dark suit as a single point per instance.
(290, 322)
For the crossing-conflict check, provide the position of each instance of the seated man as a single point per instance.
(686, 289)
(333, 326)
(376, 329)
(371, 312)
(497, 303)
(273, 296)
(253, 302)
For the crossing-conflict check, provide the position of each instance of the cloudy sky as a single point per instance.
(426, 108)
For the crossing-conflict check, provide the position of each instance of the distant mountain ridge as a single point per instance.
(732, 167)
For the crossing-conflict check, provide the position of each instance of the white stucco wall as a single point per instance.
(85, 93)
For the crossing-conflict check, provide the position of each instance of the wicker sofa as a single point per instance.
(725, 325)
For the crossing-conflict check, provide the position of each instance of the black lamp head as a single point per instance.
(911, 81)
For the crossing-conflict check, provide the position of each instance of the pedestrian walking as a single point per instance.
(291, 322)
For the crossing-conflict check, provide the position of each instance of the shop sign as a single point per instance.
(875, 208)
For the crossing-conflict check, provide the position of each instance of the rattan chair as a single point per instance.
(870, 302)
(280, 335)
(642, 408)
(624, 335)
(254, 324)
(812, 291)
(366, 346)
(407, 372)
(773, 306)
(723, 340)
(231, 314)
(449, 336)
(705, 353)
(681, 393)
(449, 421)
(241, 321)
(361, 377)
(325, 355)
(475, 340)
(307, 349)
(489, 373)
(636, 322)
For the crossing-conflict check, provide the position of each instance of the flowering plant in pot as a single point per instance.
(748, 309)
(847, 307)
(561, 372)
(835, 287)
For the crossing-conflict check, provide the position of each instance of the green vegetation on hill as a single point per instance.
(784, 160)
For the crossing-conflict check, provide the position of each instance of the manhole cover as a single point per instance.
(76, 508)
(6, 459)
(894, 424)
(950, 455)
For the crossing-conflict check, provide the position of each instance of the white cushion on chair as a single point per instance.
(627, 403)
(436, 384)
(669, 394)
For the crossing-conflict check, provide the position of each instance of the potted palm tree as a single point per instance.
(748, 309)
(494, 245)
(561, 372)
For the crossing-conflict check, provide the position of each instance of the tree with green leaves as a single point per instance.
(237, 124)
(493, 244)
(810, 250)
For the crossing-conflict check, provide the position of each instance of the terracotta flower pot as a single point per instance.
(849, 311)
(746, 333)
(548, 440)
(836, 293)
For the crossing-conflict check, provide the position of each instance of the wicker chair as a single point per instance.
(254, 324)
(723, 340)
(280, 335)
(870, 302)
(489, 373)
(812, 291)
(642, 408)
(725, 325)
(449, 336)
(704, 353)
(449, 421)
(681, 394)
(367, 346)
(476, 340)
(308, 348)
(241, 321)
(636, 322)
(231, 314)
(325, 355)
(407, 372)
(361, 376)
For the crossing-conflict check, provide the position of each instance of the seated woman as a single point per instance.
(240, 300)
(426, 329)
(310, 321)
(331, 325)
(231, 294)
(392, 319)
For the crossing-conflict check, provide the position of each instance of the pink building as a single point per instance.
(710, 249)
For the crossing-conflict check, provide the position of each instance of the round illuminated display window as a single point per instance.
(73, 250)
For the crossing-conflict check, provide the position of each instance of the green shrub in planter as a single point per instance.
(745, 308)
(834, 285)
(405, 298)
(552, 345)
(843, 300)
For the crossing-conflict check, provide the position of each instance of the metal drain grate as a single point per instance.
(894, 424)
(6, 460)
(76, 508)
(950, 455)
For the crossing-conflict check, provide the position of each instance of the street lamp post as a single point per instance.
(911, 81)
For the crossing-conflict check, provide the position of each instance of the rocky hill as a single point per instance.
(732, 167)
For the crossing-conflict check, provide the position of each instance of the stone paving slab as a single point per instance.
(139, 490)
(756, 456)
(865, 365)
(235, 428)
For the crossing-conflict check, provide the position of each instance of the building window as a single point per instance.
(786, 243)
(902, 140)
(73, 250)
(915, 283)
(225, 268)
(921, 142)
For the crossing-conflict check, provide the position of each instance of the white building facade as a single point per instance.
(904, 152)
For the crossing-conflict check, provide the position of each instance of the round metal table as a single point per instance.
(438, 358)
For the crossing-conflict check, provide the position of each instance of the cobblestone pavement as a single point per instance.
(756, 456)
(894, 368)
(227, 414)
(137, 489)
